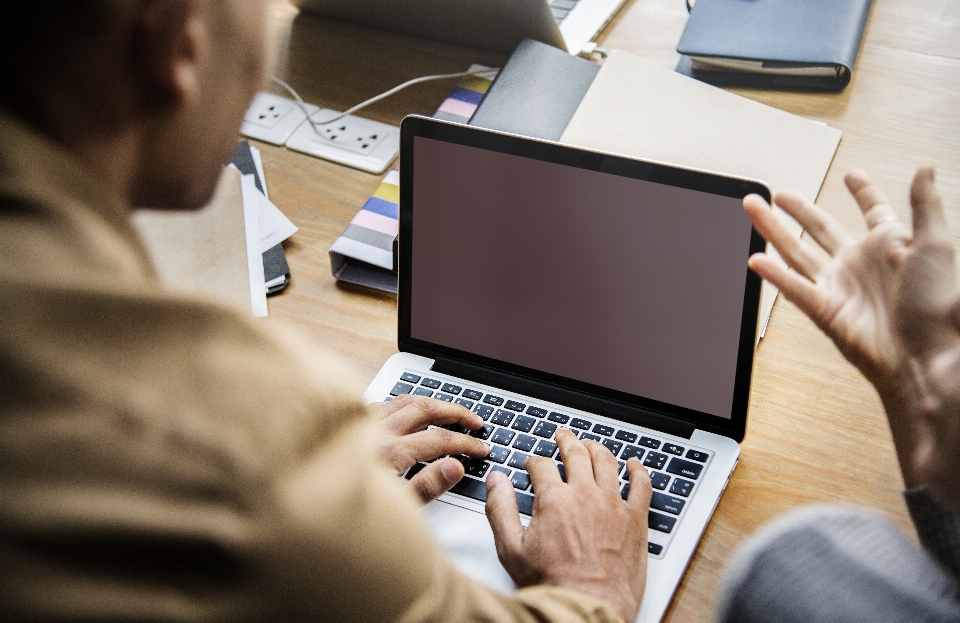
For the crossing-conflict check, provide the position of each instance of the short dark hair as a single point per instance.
(38, 36)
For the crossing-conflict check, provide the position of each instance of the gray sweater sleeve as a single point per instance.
(938, 528)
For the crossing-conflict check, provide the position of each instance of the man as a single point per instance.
(164, 458)
(890, 303)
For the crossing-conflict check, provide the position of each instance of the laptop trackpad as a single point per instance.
(468, 540)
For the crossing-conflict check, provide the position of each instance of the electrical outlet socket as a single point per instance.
(272, 119)
(359, 143)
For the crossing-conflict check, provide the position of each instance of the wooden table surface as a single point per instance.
(817, 433)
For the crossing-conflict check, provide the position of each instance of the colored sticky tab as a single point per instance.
(377, 222)
(457, 107)
(466, 95)
(384, 208)
(475, 83)
(388, 192)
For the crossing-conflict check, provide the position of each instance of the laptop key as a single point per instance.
(632, 451)
(484, 432)
(523, 423)
(413, 471)
(654, 548)
(545, 430)
(525, 443)
(659, 480)
(681, 487)
(672, 448)
(503, 418)
(388, 399)
(536, 412)
(661, 523)
(620, 466)
(656, 460)
(498, 454)
(696, 455)
(668, 503)
(472, 394)
(490, 399)
(546, 448)
(431, 383)
(503, 436)
(590, 436)
(520, 480)
(565, 5)
(463, 402)
(478, 468)
(685, 468)
(471, 488)
(501, 468)
(649, 442)
(563, 472)
(409, 377)
(600, 429)
(450, 388)
(483, 411)
(525, 503)
(401, 388)
(559, 418)
(517, 459)
(613, 446)
(623, 435)
(625, 491)
(513, 405)
(579, 423)
(422, 391)
(443, 397)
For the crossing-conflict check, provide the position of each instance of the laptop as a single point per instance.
(497, 25)
(544, 286)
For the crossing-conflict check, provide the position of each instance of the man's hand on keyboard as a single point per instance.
(582, 535)
(406, 440)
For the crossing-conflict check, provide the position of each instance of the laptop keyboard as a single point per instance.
(561, 8)
(516, 428)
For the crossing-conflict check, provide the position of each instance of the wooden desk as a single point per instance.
(817, 432)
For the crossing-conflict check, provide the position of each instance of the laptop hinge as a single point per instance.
(567, 397)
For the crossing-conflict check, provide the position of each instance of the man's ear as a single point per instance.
(171, 43)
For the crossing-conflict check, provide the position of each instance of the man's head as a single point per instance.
(149, 93)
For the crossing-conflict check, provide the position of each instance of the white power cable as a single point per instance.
(485, 72)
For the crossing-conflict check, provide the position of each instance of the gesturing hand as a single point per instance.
(582, 535)
(884, 300)
(406, 440)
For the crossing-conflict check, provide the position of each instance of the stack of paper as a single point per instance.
(218, 251)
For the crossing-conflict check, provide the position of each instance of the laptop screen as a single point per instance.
(621, 283)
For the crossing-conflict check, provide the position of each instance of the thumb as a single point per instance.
(504, 517)
(436, 478)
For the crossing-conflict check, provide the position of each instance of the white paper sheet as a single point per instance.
(251, 221)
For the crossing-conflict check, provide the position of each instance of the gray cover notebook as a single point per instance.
(773, 43)
(536, 93)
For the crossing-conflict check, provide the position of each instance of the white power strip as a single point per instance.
(359, 143)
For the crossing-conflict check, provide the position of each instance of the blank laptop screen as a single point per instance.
(627, 284)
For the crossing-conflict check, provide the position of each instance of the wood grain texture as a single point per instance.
(817, 433)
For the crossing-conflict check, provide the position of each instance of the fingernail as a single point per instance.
(494, 478)
(450, 471)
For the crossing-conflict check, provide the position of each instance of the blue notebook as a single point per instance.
(773, 43)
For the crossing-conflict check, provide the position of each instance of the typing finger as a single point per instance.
(430, 444)
(873, 203)
(794, 250)
(638, 498)
(504, 518)
(420, 412)
(576, 459)
(605, 471)
(825, 229)
(543, 472)
(436, 479)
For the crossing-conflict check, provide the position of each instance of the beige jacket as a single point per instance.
(163, 458)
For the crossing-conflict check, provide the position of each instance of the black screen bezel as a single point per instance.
(414, 126)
